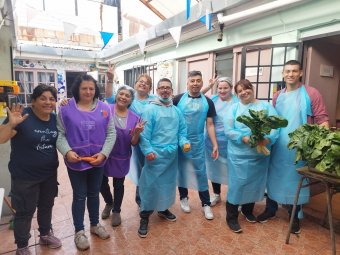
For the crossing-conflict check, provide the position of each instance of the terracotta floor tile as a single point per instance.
(190, 234)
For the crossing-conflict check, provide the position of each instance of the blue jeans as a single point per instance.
(86, 185)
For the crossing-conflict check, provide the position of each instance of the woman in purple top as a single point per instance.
(128, 127)
(86, 131)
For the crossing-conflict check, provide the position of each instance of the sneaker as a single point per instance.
(99, 231)
(185, 205)
(208, 214)
(215, 199)
(296, 226)
(23, 251)
(249, 217)
(116, 219)
(50, 240)
(265, 216)
(81, 241)
(143, 228)
(167, 215)
(106, 212)
(234, 226)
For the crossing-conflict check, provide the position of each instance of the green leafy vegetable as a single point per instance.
(260, 125)
(319, 146)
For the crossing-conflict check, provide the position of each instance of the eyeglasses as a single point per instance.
(143, 82)
(164, 88)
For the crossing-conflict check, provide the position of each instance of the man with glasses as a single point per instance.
(164, 131)
(198, 111)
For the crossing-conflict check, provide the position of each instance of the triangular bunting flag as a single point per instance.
(188, 9)
(206, 19)
(141, 40)
(68, 30)
(31, 14)
(106, 37)
(176, 34)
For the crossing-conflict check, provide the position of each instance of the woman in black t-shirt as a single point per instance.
(33, 165)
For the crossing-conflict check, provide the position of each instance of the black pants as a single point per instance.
(232, 210)
(216, 187)
(272, 206)
(26, 197)
(204, 195)
(118, 192)
(137, 197)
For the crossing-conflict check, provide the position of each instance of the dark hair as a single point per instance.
(246, 84)
(128, 88)
(78, 81)
(194, 73)
(147, 77)
(294, 63)
(40, 89)
(164, 79)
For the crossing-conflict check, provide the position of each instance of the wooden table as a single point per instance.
(331, 184)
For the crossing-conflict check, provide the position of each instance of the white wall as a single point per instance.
(5, 74)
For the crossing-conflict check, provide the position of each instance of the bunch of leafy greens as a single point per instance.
(319, 146)
(260, 125)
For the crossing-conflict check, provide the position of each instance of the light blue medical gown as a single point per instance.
(163, 133)
(247, 169)
(283, 178)
(137, 157)
(191, 170)
(217, 170)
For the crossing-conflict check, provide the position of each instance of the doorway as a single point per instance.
(70, 77)
(323, 72)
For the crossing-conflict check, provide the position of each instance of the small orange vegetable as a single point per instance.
(87, 159)
(186, 147)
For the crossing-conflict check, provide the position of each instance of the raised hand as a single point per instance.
(15, 116)
(64, 101)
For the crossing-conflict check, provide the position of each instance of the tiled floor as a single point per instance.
(190, 234)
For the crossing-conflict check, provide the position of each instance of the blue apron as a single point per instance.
(247, 169)
(137, 157)
(283, 178)
(192, 173)
(217, 169)
(163, 133)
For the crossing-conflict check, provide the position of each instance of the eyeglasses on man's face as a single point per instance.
(164, 88)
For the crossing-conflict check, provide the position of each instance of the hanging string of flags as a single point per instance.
(204, 7)
(34, 15)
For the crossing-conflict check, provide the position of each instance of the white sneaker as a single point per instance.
(208, 214)
(215, 199)
(185, 205)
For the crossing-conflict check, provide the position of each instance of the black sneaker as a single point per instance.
(143, 228)
(265, 216)
(167, 215)
(234, 226)
(296, 226)
(249, 217)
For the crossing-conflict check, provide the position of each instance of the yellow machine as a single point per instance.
(7, 88)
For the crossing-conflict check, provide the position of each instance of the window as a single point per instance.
(224, 64)
(28, 79)
(130, 75)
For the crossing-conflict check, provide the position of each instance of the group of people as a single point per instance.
(162, 142)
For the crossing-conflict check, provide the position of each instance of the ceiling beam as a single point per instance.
(153, 9)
